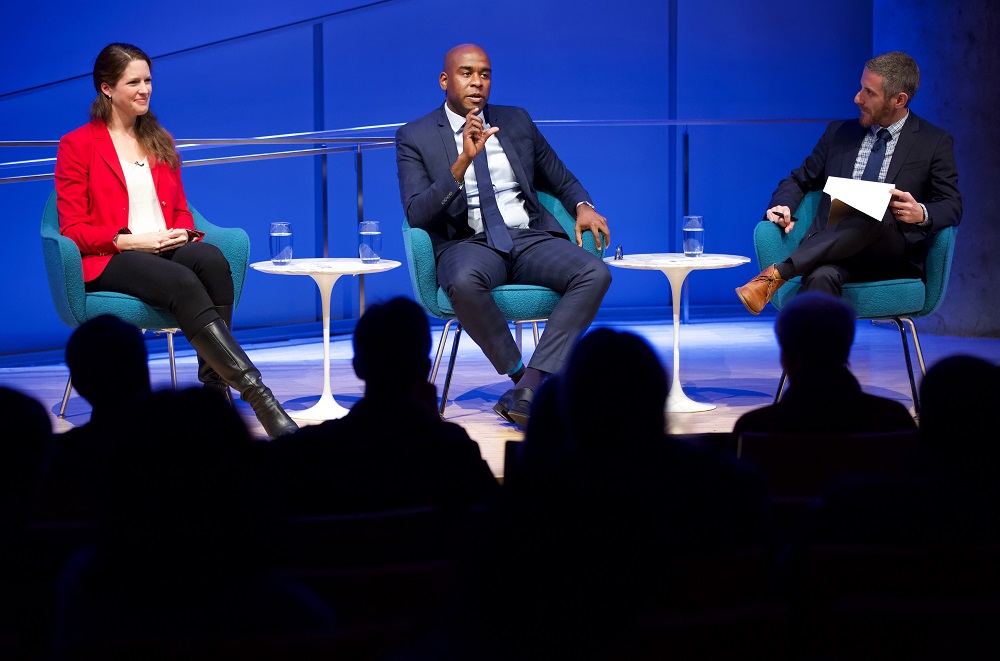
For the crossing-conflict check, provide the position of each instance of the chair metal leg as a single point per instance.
(916, 344)
(65, 399)
(518, 325)
(173, 362)
(909, 364)
(170, 350)
(440, 350)
(781, 386)
(451, 368)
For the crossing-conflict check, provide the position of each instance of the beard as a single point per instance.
(877, 116)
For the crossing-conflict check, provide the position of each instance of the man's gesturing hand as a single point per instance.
(474, 136)
(474, 139)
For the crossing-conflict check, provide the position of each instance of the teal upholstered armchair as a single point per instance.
(898, 301)
(75, 305)
(521, 304)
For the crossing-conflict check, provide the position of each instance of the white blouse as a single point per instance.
(144, 212)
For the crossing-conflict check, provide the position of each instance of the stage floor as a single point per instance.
(732, 364)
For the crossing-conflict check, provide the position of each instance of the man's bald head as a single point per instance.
(466, 78)
(456, 53)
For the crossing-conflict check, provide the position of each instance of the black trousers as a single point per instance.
(188, 282)
(858, 248)
(469, 270)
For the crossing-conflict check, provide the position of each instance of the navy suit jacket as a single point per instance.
(923, 164)
(432, 200)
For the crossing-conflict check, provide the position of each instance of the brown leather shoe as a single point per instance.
(758, 292)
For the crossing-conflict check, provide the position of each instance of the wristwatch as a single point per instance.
(585, 202)
(926, 222)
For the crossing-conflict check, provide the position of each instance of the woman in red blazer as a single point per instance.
(121, 200)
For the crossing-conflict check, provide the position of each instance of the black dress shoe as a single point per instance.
(515, 406)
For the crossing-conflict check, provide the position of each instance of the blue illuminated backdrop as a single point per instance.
(255, 68)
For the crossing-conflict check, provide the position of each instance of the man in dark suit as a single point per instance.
(890, 144)
(485, 236)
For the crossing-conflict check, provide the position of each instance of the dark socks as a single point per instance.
(516, 375)
(531, 378)
(785, 270)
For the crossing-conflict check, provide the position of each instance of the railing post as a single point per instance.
(358, 168)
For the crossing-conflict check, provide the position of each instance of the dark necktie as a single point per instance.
(877, 157)
(497, 235)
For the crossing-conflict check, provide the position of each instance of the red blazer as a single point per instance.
(92, 198)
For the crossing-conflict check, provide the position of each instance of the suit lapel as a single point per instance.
(447, 137)
(450, 150)
(106, 148)
(849, 154)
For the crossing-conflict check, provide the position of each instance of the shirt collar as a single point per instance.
(894, 128)
(457, 121)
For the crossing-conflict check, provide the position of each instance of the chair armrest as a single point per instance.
(568, 223)
(234, 243)
(940, 251)
(423, 268)
(771, 243)
(64, 268)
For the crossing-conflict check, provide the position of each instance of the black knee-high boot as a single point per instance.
(217, 346)
(206, 374)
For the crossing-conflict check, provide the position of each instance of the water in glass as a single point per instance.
(281, 243)
(693, 235)
(369, 241)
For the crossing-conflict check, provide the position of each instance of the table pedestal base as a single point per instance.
(326, 408)
(678, 402)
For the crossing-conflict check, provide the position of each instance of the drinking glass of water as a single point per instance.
(369, 241)
(281, 243)
(694, 235)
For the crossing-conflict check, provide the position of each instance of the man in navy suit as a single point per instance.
(917, 159)
(504, 235)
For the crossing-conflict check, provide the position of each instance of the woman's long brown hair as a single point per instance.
(152, 137)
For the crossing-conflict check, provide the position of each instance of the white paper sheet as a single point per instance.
(869, 197)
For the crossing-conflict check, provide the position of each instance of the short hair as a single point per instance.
(957, 399)
(899, 72)
(107, 358)
(392, 341)
(632, 408)
(816, 328)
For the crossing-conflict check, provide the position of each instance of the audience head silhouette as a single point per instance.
(957, 421)
(28, 431)
(184, 489)
(815, 332)
(632, 408)
(107, 361)
(392, 344)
